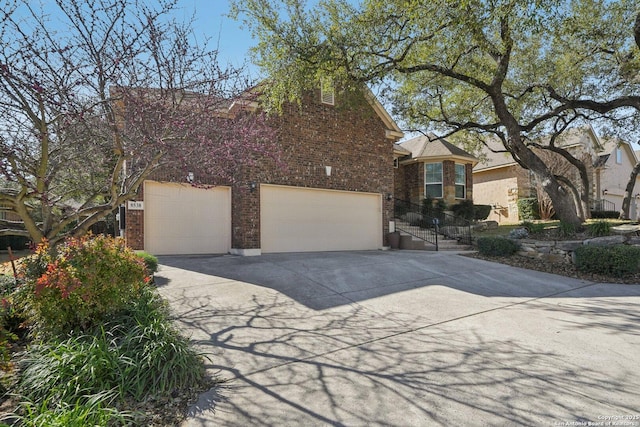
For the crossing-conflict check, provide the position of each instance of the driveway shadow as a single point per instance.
(325, 280)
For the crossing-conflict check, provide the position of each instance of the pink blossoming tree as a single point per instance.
(102, 95)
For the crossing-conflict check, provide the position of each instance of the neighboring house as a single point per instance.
(612, 172)
(428, 166)
(334, 193)
(499, 181)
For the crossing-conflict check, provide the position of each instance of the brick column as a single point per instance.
(449, 182)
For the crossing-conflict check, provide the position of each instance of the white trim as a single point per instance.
(245, 252)
(393, 134)
(455, 183)
(393, 131)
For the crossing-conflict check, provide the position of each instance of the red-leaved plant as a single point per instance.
(79, 283)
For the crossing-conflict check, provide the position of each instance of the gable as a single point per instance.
(433, 148)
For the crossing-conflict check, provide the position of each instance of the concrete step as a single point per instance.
(410, 242)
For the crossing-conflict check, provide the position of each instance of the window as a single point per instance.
(327, 92)
(433, 180)
(461, 182)
(619, 155)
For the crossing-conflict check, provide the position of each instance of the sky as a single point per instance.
(232, 40)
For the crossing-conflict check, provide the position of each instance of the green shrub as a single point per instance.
(8, 323)
(481, 212)
(464, 210)
(15, 242)
(150, 261)
(605, 214)
(528, 209)
(616, 261)
(567, 229)
(433, 208)
(80, 283)
(599, 228)
(138, 354)
(533, 227)
(497, 246)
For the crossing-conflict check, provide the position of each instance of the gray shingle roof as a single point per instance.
(431, 146)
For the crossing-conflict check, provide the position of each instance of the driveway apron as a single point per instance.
(404, 338)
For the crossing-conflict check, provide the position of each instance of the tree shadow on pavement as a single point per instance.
(327, 280)
(291, 365)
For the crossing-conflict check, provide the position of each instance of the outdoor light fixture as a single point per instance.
(389, 196)
(190, 177)
(252, 186)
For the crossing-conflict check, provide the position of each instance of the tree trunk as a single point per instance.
(578, 197)
(628, 192)
(562, 202)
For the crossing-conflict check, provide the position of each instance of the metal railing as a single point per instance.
(427, 224)
(603, 205)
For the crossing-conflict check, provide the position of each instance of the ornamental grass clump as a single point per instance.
(599, 228)
(77, 284)
(135, 356)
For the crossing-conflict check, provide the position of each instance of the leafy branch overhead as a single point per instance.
(511, 70)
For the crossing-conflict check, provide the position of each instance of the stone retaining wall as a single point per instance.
(558, 251)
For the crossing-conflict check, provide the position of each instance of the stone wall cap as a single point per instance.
(605, 241)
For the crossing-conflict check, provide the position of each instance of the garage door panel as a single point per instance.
(304, 220)
(181, 219)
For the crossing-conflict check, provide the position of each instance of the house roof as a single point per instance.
(609, 146)
(399, 150)
(497, 158)
(430, 147)
(581, 136)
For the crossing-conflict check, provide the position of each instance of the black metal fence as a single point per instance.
(428, 222)
(603, 205)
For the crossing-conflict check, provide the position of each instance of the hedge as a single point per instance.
(497, 246)
(616, 261)
(605, 214)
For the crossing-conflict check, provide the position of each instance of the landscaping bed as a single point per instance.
(86, 339)
(550, 247)
(563, 269)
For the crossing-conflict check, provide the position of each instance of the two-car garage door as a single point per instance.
(295, 219)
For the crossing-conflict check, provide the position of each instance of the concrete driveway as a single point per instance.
(404, 338)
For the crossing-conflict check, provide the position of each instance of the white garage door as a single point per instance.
(294, 219)
(181, 219)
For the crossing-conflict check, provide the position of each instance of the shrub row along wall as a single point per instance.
(557, 251)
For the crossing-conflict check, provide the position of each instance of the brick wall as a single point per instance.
(134, 231)
(349, 137)
(409, 182)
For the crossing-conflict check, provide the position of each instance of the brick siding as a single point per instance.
(349, 137)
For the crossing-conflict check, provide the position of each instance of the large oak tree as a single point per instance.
(473, 66)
